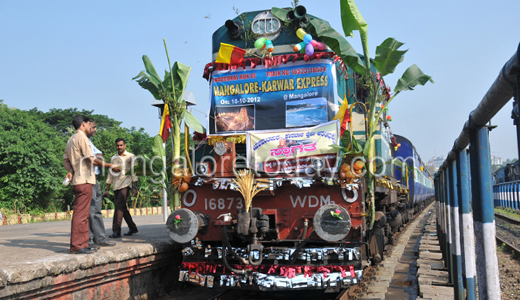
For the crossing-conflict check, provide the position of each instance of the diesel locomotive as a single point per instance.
(273, 103)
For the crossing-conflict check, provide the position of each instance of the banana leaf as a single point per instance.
(280, 13)
(146, 83)
(181, 73)
(337, 43)
(157, 147)
(150, 69)
(192, 122)
(411, 77)
(388, 56)
(352, 19)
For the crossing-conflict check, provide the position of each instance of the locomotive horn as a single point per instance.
(234, 28)
(300, 12)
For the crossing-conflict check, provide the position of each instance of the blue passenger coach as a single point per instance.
(415, 176)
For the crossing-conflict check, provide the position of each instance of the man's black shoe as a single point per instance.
(115, 235)
(83, 251)
(106, 243)
(130, 232)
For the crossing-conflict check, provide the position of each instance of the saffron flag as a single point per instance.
(230, 54)
(165, 124)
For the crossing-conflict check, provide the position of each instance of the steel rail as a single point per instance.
(508, 219)
(503, 241)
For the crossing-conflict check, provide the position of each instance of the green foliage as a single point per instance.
(337, 43)
(351, 20)
(31, 168)
(280, 13)
(153, 167)
(411, 77)
(32, 144)
(170, 90)
(61, 119)
(388, 56)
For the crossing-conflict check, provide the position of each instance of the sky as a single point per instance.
(84, 54)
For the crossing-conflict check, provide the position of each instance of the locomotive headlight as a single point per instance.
(202, 169)
(317, 164)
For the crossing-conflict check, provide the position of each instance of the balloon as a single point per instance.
(307, 38)
(299, 46)
(269, 45)
(309, 49)
(260, 43)
(300, 33)
(318, 45)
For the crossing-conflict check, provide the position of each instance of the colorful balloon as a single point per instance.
(318, 45)
(269, 45)
(308, 45)
(307, 38)
(309, 49)
(260, 43)
(300, 33)
(299, 46)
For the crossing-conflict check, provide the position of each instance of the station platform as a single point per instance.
(36, 263)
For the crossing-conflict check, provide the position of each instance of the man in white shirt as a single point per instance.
(97, 235)
(121, 185)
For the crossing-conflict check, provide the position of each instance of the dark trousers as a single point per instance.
(121, 211)
(79, 226)
(95, 220)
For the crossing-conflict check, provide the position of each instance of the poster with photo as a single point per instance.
(291, 95)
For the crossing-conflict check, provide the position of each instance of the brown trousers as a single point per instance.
(121, 211)
(81, 207)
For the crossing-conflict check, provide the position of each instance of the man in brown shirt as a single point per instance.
(79, 160)
(121, 185)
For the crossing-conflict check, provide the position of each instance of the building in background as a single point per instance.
(436, 162)
(496, 161)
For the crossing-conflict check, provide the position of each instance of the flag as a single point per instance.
(343, 115)
(230, 54)
(165, 124)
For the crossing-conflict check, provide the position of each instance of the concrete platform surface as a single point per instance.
(30, 251)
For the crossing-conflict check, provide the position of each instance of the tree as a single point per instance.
(61, 119)
(31, 156)
(170, 90)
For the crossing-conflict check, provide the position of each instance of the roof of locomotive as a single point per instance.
(283, 43)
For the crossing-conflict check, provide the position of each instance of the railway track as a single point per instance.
(508, 232)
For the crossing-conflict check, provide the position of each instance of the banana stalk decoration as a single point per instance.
(247, 186)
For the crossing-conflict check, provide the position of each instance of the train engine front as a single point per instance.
(271, 129)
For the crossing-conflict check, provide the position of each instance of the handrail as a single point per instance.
(509, 182)
(500, 92)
